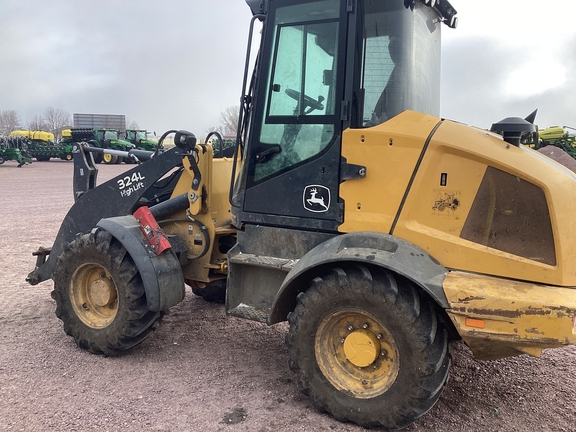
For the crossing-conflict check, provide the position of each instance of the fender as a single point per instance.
(371, 248)
(161, 274)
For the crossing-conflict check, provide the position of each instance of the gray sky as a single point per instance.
(176, 64)
(509, 57)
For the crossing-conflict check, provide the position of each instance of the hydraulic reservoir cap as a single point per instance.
(361, 347)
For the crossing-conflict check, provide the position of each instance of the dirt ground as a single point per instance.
(202, 370)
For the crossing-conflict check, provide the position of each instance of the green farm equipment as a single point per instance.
(140, 139)
(559, 137)
(42, 146)
(104, 139)
(15, 148)
(555, 136)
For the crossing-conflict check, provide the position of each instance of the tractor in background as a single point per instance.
(140, 139)
(104, 139)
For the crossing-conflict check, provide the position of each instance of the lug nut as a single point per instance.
(379, 335)
(350, 328)
(365, 326)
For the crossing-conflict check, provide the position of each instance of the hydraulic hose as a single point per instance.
(171, 206)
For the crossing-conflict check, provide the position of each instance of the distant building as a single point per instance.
(108, 121)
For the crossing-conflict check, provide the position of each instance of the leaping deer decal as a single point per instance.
(315, 200)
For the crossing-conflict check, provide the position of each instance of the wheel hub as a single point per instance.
(357, 353)
(361, 347)
(102, 292)
(93, 295)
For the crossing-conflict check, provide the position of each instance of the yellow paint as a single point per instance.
(35, 135)
(208, 205)
(552, 133)
(389, 152)
(93, 295)
(361, 347)
(363, 375)
(519, 317)
(443, 191)
(465, 153)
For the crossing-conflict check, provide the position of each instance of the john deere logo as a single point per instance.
(316, 198)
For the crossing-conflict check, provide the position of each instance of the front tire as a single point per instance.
(100, 296)
(109, 159)
(368, 348)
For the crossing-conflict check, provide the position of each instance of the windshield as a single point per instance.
(110, 135)
(401, 60)
(141, 135)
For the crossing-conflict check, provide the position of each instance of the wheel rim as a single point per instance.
(94, 295)
(356, 353)
(107, 158)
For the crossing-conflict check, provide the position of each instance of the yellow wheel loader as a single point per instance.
(378, 230)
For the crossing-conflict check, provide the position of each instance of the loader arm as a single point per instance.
(116, 197)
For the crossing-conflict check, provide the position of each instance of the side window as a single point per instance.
(299, 119)
(382, 78)
(400, 61)
(511, 215)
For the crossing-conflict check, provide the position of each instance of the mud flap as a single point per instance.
(161, 274)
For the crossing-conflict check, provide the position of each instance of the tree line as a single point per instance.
(54, 120)
(228, 121)
(51, 120)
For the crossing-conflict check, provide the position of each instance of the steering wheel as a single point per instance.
(308, 101)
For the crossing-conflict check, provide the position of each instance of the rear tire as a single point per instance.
(367, 348)
(100, 296)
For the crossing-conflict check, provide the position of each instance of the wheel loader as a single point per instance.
(380, 231)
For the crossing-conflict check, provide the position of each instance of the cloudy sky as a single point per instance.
(176, 64)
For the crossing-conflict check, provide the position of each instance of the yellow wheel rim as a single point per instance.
(107, 158)
(356, 353)
(94, 295)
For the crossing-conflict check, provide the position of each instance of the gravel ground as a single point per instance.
(202, 370)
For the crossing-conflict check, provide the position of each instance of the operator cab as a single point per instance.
(325, 66)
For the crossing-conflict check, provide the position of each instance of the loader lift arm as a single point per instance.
(117, 197)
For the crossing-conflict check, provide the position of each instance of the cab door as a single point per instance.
(292, 161)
